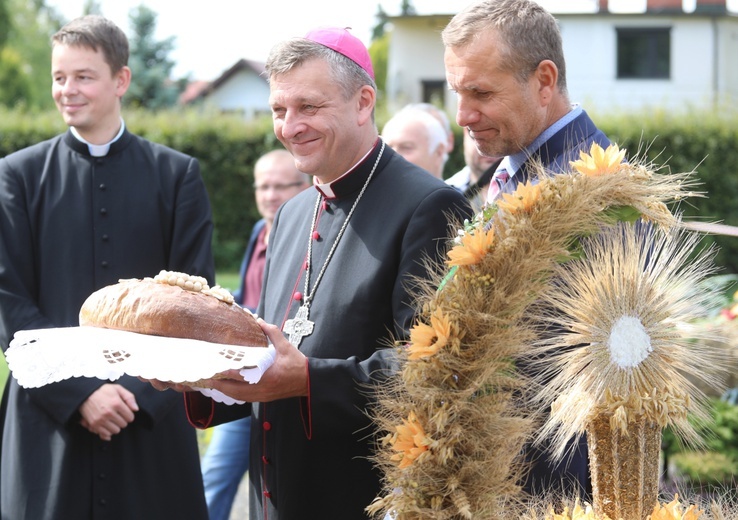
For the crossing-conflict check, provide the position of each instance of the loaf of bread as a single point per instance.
(174, 305)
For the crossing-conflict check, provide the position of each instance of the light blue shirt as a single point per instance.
(513, 163)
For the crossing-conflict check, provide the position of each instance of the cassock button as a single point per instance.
(105, 237)
(325, 205)
(267, 425)
(316, 235)
(103, 211)
(297, 296)
(104, 264)
(103, 502)
(264, 459)
(102, 187)
(102, 476)
(267, 494)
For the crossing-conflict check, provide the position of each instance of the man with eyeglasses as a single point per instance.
(276, 180)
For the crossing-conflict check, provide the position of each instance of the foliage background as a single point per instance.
(227, 148)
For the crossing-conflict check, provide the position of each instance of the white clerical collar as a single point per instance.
(327, 189)
(99, 150)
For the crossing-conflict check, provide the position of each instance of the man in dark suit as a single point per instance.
(505, 61)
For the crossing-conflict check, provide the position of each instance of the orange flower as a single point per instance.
(675, 511)
(410, 441)
(524, 198)
(472, 249)
(599, 161)
(426, 340)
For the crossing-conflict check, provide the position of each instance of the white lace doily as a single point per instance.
(43, 356)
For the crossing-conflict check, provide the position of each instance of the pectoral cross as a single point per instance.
(299, 326)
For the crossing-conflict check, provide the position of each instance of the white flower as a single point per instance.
(629, 343)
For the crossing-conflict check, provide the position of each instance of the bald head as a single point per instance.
(419, 138)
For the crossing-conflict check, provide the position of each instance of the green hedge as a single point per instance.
(225, 146)
(227, 149)
(703, 143)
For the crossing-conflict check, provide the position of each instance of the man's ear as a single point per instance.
(546, 74)
(122, 81)
(367, 99)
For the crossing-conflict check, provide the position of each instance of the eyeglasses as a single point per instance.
(276, 187)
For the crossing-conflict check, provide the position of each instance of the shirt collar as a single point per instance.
(348, 183)
(515, 161)
(99, 150)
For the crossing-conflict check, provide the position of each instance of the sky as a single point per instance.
(209, 40)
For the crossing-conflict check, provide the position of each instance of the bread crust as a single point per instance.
(158, 309)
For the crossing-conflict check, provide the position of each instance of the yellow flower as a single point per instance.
(524, 198)
(673, 511)
(410, 441)
(426, 340)
(579, 513)
(599, 161)
(472, 248)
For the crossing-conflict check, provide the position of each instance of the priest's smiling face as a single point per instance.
(326, 133)
(87, 92)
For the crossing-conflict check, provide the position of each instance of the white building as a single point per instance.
(241, 89)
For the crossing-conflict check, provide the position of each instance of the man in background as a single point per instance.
(276, 180)
(79, 212)
(442, 118)
(419, 138)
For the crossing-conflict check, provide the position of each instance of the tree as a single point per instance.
(379, 51)
(14, 83)
(151, 68)
(92, 7)
(25, 63)
(382, 18)
(407, 8)
(5, 22)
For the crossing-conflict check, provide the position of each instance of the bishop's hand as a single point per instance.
(287, 377)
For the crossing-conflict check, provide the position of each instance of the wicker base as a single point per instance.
(625, 468)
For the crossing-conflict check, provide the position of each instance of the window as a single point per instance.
(434, 92)
(644, 53)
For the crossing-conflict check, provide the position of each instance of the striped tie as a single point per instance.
(498, 181)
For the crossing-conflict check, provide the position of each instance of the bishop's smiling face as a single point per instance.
(315, 122)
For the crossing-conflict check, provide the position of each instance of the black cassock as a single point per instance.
(70, 224)
(310, 456)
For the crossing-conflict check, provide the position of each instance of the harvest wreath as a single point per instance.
(597, 254)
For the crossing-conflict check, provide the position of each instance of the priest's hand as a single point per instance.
(287, 377)
(108, 410)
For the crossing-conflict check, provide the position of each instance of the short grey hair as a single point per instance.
(527, 32)
(294, 52)
(434, 128)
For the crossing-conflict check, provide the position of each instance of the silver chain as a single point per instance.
(309, 297)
